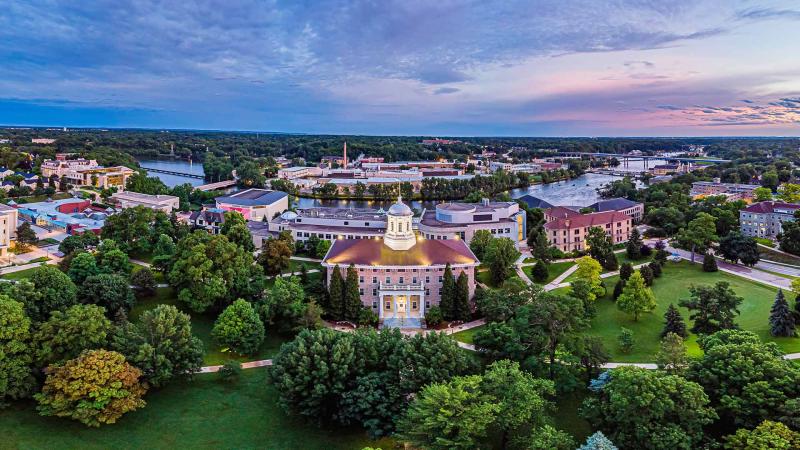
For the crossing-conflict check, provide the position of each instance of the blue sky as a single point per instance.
(538, 67)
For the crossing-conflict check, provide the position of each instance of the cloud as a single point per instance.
(768, 13)
(446, 90)
(638, 63)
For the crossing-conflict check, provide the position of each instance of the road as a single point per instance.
(736, 269)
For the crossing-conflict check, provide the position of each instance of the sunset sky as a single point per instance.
(526, 68)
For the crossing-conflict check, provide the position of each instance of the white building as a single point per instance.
(255, 204)
(290, 173)
(166, 203)
(8, 228)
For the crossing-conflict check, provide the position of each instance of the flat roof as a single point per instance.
(252, 197)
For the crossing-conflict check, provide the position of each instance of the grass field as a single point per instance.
(467, 335)
(206, 413)
(622, 258)
(553, 270)
(201, 327)
(19, 275)
(671, 287)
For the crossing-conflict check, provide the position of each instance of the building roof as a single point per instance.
(535, 202)
(252, 197)
(613, 204)
(587, 220)
(373, 252)
(770, 207)
(562, 212)
(210, 216)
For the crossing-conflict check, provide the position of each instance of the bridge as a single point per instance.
(646, 157)
(216, 186)
(172, 172)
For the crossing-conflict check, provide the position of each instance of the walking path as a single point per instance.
(739, 270)
(303, 258)
(557, 280)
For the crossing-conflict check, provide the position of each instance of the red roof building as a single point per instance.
(567, 229)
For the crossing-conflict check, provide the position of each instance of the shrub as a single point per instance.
(367, 317)
(647, 274)
(230, 371)
(646, 251)
(625, 340)
(433, 316)
(539, 272)
(618, 288)
(709, 263)
(655, 267)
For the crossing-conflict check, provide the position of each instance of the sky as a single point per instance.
(406, 67)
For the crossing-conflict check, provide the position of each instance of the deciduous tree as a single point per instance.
(53, 291)
(480, 241)
(768, 435)
(68, 333)
(239, 328)
(96, 388)
(672, 356)
(110, 291)
(16, 352)
(713, 308)
(501, 255)
(698, 235)
(636, 297)
(82, 266)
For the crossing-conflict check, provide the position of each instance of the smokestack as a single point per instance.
(344, 157)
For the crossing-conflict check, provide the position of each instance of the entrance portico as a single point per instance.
(402, 305)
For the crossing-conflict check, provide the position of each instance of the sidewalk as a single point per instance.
(739, 270)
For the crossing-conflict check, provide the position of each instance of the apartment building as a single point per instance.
(567, 229)
(764, 219)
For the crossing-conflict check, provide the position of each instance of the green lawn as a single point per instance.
(671, 288)
(159, 277)
(19, 275)
(622, 258)
(486, 278)
(201, 327)
(553, 270)
(41, 198)
(206, 413)
(467, 335)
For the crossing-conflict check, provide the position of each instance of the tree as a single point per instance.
(762, 194)
(77, 242)
(275, 256)
(636, 297)
(447, 293)
(144, 282)
(111, 259)
(713, 308)
(501, 255)
(322, 247)
(66, 334)
(634, 246)
(539, 272)
(672, 356)
(699, 234)
(625, 271)
(82, 266)
(746, 380)
(674, 323)
(336, 294)
(480, 241)
(539, 245)
(133, 229)
(161, 344)
(54, 291)
(26, 236)
(618, 288)
(110, 291)
(16, 352)
(709, 263)
(789, 239)
(789, 192)
(781, 320)
(625, 340)
(433, 316)
(239, 328)
(499, 305)
(461, 309)
(284, 305)
(599, 244)
(589, 270)
(735, 247)
(655, 268)
(598, 441)
(768, 435)
(469, 414)
(96, 388)
(591, 353)
(648, 409)
(209, 270)
(352, 298)
(647, 275)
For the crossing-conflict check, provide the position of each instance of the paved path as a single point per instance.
(778, 268)
(284, 275)
(303, 258)
(141, 263)
(12, 269)
(557, 280)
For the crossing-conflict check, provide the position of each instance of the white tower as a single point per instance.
(399, 235)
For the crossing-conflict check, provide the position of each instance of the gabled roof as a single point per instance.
(613, 204)
(373, 252)
(535, 202)
(587, 220)
(561, 212)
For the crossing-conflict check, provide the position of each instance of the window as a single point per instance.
(374, 280)
(401, 280)
(346, 222)
(361, 279)
(441, 278)
(427, 279)
(361, 291)
(374, 292)
(366, 224)
(414, 306)
(374, 305)
(414, 280)
(388, 305)
(427, 304)
(388, 280)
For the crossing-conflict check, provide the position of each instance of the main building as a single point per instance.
(400, 274)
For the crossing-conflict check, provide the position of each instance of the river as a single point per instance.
(580, 191)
